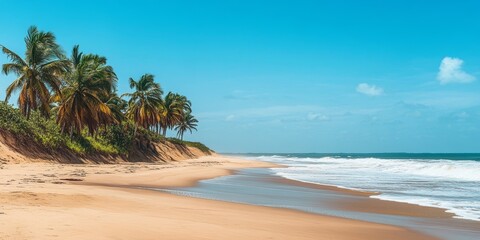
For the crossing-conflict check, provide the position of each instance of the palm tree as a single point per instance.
(188, 122)
(173, 111)
(38, 74)
(81, 96)
(145, 102)
(117, 106)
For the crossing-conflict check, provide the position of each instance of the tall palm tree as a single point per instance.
(145, 102)
(187, 123)
(81, 105)
(38, 74)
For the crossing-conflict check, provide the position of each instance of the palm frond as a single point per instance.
(13, 56)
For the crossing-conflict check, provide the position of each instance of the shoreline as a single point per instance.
(365, 202)
(405, 208)
(37, 206)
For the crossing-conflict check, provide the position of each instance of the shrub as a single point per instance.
(44, 131)
(120, 137)
(12, 120)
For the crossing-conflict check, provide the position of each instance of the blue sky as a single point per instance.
(288, 76)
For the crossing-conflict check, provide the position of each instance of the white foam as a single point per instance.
(449, 184)
(458, 169)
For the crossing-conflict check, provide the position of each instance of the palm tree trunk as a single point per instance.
(28, 113)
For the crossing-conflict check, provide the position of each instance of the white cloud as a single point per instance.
(317, 117)
(370, 90)
(230, 118)
(450, 71)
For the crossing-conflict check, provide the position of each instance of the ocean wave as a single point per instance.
(455, 169)
(448, 184)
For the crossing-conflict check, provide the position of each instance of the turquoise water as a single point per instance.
(431, 156)
(449, 181)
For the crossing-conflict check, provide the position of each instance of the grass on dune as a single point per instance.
(198, 145)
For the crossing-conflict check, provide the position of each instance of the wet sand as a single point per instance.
(365, 204)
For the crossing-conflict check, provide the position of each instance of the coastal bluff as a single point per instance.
(17, 148)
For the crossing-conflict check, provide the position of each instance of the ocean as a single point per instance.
(449, 181)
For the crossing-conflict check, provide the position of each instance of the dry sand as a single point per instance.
(43, 201)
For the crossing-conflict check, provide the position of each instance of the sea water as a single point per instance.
(449, 181)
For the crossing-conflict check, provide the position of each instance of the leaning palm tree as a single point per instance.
(38, 74)
(145, 102)
(80, 102)
(187, 123)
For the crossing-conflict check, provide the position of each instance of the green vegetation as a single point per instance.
(72, 103)
(46, 132)
(198, 145)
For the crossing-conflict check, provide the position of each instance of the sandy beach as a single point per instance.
(335, 120)
(53, 201)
